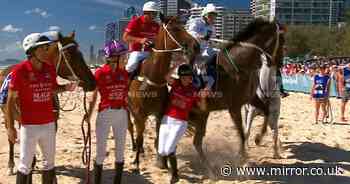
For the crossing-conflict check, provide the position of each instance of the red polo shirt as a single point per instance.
(112, 86)
(137, 27)
(182, 100)
(35, 91)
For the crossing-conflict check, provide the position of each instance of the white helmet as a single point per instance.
(52, 35)
(34, 40)
(150, 6)
(210, 8)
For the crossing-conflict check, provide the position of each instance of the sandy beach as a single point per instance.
(304, 145)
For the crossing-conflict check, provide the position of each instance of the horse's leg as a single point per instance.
(140, 128)
(273, 122)
(236, 116)
(200, 126)
(249, 117)
(11, 162)
(263, 130)
(131, 132)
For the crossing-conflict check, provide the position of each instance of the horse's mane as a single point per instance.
(248, 31)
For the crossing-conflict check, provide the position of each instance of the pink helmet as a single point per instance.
(114, 48)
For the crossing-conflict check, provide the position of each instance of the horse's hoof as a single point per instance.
(10, 172)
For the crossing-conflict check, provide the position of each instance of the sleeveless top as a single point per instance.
(320, 82)
(347, 78)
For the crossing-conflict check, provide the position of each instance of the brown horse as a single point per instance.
(236, 84)
(70, 65)
(237, 78)
(148, 94)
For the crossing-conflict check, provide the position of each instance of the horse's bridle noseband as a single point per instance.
(63, 57)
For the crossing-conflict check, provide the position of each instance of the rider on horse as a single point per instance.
(139, 34)
(202, 29)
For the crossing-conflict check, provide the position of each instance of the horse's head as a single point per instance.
(267, 36)
(174, 37)
(70, 62)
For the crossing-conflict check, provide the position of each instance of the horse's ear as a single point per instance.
(162, 17)
(72, 34)
(60, 36)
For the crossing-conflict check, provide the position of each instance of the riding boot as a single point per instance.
(162, 162)
(118, 172)
(173, 168)
(30, 178)
(132, 75)
(98, 173)
(21, 178)
(48, 177)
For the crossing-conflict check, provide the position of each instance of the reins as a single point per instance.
(86, 131)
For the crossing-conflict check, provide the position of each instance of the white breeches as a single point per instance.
(30, 136)
(118, 120)
(135, 59)
(170, 132)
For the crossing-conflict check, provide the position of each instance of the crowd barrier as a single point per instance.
(302, 83)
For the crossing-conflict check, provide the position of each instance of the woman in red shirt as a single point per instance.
(112, 85)
(183, 97)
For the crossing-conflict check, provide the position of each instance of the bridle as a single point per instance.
(263, 51)
(268, 43)
(62, 57)
(180, 48)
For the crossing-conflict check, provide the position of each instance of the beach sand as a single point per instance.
(304, 145)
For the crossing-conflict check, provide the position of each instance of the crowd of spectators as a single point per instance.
(309, 67)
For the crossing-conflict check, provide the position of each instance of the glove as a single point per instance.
(149, 43)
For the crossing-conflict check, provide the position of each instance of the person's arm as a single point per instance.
(202, 102)
(312, 87)
(128, 38)
(194, 28)
(10, 119)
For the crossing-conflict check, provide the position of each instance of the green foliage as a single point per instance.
(318, 40)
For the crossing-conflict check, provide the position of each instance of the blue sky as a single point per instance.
(88, 17)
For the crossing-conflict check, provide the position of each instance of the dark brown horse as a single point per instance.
(148, 94)
(237, 77)
(237, 80)
(70, 65)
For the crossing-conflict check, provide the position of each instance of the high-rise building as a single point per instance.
(172, 7)
(252, 7)
(92, 54)
(235, 21)
(110, 31)
(298, 12)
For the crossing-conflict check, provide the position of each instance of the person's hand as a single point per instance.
(12, 135)
(70, 86)
(203, 93)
